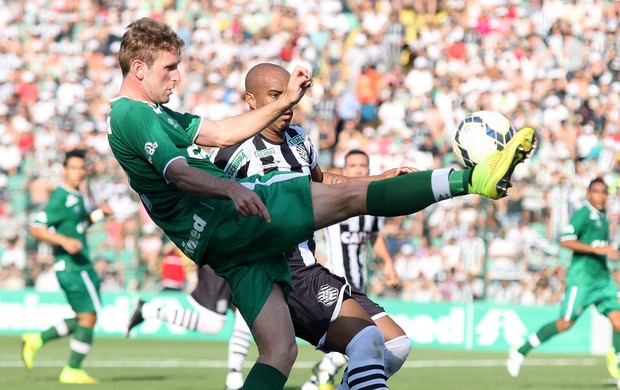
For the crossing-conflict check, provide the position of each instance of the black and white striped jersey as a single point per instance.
(346, 248)
(258, 155)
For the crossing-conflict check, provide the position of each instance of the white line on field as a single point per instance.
(173, 363)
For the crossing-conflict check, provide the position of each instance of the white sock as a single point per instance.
(365, 352)
(239, 343)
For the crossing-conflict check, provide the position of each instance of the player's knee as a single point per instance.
(367, 343)
(564, 325)
(395, 354)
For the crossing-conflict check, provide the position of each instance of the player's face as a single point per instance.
(597, 196)
(161, 78)
(356, 165)
(75, 172)
(274, 85)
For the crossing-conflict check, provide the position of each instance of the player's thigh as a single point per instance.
(607, 300)
(82, 289)
(288, 199)
(386, 324)
(251, 282)
(351, 320)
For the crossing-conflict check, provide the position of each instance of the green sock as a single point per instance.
(64, 328)
(80, 345)
(544, 334)
(410, 193)
(264, 377)
(459, 182)
(616, 343)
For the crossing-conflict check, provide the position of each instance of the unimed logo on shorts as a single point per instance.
(327, 295)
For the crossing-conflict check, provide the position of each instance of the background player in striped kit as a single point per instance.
(63, 224)
(320, 307)
(346, 257)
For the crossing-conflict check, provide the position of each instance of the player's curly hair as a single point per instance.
(144, 39)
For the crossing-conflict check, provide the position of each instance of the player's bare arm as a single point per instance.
(230, 131)
(379, 245)
(581, 247)
(198, 182)
(71, 245)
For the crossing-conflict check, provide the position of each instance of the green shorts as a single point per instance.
(578, 297)
(81, 288)
(249, 252)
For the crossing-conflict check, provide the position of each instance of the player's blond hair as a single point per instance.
(143, 41)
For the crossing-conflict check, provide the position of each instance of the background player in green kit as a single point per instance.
(588, 280)
(242, 228)
(63, 224)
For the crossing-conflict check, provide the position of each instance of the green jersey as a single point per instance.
(145, 138)
(66, 214)
(589, 226)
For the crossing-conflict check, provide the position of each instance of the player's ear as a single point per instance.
(251, 100)
(137, 67)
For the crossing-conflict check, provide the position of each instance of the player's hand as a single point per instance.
(107, 209)
(71, 245)
(247, 203)
(300, 81)
(609, 251)
(397, 172)
(391, 276)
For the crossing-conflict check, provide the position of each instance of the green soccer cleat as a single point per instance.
(31, 343)
(612, 364)
(76, 376)
(491, 178)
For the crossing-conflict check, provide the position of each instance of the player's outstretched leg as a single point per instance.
(31, 343)
(491, 178)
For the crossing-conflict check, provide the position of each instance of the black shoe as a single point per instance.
(136, 317)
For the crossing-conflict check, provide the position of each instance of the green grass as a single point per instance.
(156, 364)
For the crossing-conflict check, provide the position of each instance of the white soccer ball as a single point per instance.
(479, 135)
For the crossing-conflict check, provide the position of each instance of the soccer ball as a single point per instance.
(479, 135)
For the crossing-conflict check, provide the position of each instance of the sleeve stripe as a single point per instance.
(198, 131)
(166, 167)
(568, 237)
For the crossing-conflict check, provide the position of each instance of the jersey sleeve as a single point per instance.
(190, 122)
(575, 227)
(52, 214)
(312, 152)
(143, 133)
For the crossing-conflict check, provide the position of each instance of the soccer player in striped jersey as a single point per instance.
(346, 257)
(323, 313)
(241, 228)
(588, 280)
(63, 224)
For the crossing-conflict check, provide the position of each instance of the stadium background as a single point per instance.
(392, 78)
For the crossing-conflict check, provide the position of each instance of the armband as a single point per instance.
(97, 215)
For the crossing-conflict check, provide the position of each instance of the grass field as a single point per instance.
(155, 364)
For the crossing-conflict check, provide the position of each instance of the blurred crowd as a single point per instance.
(391, 78)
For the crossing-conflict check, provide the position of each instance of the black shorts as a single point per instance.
(316, 301)
(212, 291)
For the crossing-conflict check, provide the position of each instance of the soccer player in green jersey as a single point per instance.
(588, 280)
(63, 224)
(242, 228)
